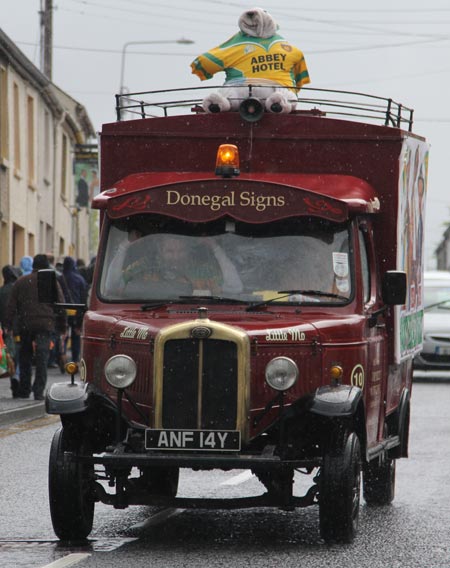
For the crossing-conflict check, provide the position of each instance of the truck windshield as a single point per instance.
(151, 257)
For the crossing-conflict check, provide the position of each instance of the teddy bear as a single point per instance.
(258, 64)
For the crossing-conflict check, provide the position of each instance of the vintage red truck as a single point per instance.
(256, 304)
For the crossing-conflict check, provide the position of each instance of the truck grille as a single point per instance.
(201, 377)
(199, 384)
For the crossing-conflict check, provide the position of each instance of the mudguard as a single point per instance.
(340, 400)
(67, 398)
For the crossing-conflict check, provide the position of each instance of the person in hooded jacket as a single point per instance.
(76, 293)
(26, 265)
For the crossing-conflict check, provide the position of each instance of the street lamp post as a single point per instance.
(128, 43)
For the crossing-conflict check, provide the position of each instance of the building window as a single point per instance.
(48, 237)
(16, 118)
(4, 148)
(41, 236)
(31, 244)
(18, 243)
(61, 247)
(64, 167)
(30, 142)
(47, 143)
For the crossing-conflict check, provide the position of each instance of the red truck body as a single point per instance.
(263, 377)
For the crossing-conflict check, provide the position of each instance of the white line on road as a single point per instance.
(240, 478)
(68, 560)
(165, 514)
(158, 518)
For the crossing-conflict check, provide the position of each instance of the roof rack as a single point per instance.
(329, 102)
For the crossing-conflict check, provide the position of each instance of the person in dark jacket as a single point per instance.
(36, 321)
(10, 275)
(76, 294)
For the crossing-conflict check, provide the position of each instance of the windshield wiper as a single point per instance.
(155, 305)
(314, 293)
(287, 293)
(185, 299)
(219, 299)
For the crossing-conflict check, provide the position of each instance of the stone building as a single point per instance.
(40, 128)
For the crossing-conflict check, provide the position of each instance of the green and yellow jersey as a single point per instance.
(244, 57)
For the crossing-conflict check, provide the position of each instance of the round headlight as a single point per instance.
(120, 371)
(281, 373)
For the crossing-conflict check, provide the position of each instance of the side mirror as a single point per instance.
(47, 288)
(394, 287)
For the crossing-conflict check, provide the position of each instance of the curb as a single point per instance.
(30, 412)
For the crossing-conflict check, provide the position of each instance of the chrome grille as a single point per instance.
(199, 384)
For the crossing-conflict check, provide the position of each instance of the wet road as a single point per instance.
(412, 533)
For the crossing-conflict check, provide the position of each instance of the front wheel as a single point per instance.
(339, 488)
(70, 485)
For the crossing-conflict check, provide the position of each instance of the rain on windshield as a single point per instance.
(152, 257)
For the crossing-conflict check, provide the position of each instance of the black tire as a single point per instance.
(379, 482)
(70, 487)
(339, 488)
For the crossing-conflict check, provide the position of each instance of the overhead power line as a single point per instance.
(104, 50)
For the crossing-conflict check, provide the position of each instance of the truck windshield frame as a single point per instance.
(154, 258)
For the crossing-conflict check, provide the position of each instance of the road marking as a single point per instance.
(97, 545)
(165, 514)
(109, 544)
(68, 560)
(28, 425)
(159, 518)
(240, 478)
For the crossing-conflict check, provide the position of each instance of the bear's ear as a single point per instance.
(269, 26)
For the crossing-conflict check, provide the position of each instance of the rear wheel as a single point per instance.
(379, 482)
(71, 493)
(339, 488)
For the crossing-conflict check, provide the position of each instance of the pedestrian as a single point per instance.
(10, 275)
(26, 265)
(76, 286)
(90, 271)
(56, 358)
(36, 321)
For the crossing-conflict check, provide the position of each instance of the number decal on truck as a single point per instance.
(357, 376)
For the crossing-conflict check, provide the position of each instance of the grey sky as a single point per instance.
(392, 49)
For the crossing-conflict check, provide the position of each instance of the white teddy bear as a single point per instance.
(258, 64)
(273, 97)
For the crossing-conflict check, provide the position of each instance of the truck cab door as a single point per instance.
(376, 337)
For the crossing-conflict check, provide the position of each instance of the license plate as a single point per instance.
(442, 350)
(200, 440)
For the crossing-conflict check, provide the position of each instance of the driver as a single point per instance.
(202, 270)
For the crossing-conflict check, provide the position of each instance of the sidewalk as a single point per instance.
(17, 409)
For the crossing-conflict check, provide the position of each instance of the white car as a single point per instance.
(433, 362)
